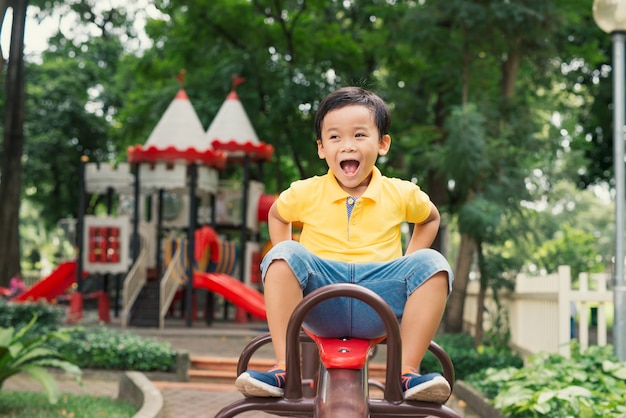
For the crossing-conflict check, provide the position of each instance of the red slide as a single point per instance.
(246, 297)
(52, 286)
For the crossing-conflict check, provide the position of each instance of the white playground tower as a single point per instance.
(174, 176)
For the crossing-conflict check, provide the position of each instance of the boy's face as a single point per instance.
(351, 144)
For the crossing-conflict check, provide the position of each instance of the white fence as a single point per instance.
(540, 309)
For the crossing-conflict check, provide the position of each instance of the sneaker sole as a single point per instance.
(253, 388)
(436, 390)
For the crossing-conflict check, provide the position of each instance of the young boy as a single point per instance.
(351, 220)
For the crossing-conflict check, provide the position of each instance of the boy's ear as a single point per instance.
(384, 145)
(320, 149)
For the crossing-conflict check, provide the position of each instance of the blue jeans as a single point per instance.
(394, 281)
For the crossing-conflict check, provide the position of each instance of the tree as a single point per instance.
(574, 232)
(68, 108)
(473, 87)
(464, 53)
(270, 44)
(518, 56)
(13, 144)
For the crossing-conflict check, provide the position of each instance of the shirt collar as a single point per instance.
(335, 192)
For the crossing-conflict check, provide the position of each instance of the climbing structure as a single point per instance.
(169, 190)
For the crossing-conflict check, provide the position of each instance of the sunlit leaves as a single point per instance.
(552, 386)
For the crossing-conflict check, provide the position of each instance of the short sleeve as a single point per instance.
(288, 203)
(418, 205)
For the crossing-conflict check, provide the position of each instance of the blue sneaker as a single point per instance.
(264, 384)
(431, 387)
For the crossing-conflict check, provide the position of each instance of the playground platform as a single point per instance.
(182, 400)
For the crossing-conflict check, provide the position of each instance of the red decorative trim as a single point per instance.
(258, 151)
(151, 154)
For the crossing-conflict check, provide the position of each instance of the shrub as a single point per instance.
(468, 359)
(90, 347)
(104, 348)
(20, 354)
(18, 315)
(591, 384)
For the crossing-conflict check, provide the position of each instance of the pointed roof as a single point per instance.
(232, 124)
(232, 132)
(179, 127)
(178, 135)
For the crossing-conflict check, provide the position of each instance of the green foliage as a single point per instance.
(105, 348)
(62, 127)
(89, 347)
(498, 335)
(35, 405)
(466, 358)
(474, 88)
(18, 315)
(19, 354)
(464, 155)
(480, 218)
(591, 384)
(572, 247)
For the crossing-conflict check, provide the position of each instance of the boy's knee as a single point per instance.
(442, 279)
(278, 265)
(279, 272)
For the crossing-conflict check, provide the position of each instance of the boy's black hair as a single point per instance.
(347, 96)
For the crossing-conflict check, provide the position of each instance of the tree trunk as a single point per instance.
(4, 6)
(480, 308)
(482, 291)
(456, 302)
(13, 146)
(510, 68)
(437, 186)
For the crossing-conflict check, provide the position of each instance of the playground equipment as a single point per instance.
(246, 297)
(341, 389)
(170, 186)
(52, 286)
(212, 268)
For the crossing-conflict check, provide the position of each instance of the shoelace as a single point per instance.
(406, 377)
(279, 375)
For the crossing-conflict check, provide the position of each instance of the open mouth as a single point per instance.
(349, 167)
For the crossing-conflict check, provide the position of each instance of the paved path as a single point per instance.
(223, 339)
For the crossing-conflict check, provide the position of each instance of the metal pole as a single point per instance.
(80, 223)
(619, 325)
(193, 220)
(244, 217)
(159, 223)
(135, 242)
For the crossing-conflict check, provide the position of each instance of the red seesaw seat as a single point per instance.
(344, 353)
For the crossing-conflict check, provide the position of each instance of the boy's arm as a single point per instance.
(425, 232)
(280, 229)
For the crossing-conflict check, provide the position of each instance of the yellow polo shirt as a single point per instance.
(373, 232)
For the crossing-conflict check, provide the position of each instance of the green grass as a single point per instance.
(35, 405)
